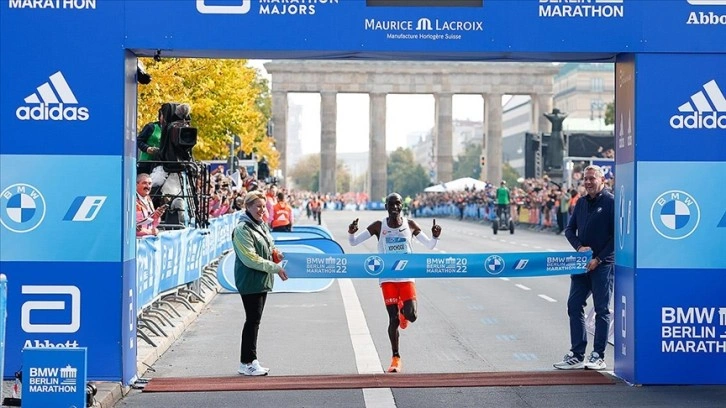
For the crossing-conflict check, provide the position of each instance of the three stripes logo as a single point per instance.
(705, 110)
(53, 100)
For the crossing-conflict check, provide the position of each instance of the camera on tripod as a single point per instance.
(178, 137)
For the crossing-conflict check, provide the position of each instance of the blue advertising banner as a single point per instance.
(624, 320)
(362, 27)
(67, 305)
(625, 119)
(678, 218)
(435, 265)
(681, 323)
(624, 190)
(52, 105)
(43, 217)
(54, 377)
(684, 117)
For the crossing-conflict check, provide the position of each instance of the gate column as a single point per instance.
(670, 231)
(378, 159)
(328, 139)
(444, 117)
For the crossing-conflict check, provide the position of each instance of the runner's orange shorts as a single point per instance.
(393, 292)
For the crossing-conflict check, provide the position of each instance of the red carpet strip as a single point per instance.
(322, 382)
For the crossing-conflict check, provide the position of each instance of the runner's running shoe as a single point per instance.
(395, 365)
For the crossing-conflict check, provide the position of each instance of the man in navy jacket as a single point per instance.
(591, 228)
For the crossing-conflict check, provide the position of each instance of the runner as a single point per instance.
(399, 294)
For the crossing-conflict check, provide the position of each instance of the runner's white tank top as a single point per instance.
(395, 241)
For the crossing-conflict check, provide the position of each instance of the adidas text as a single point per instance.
(697, 120)
(709, 18)
(56, 112)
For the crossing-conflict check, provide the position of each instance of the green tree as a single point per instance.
(467, 163)
(610, 113)
(306, 172)
(510, 175)
(404, 175)
(227, 98)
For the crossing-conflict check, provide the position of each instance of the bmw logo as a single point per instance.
(22, 208)
(675, 214)
(494, 264)
(373, 265)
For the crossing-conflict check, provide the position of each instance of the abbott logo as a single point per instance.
(703, 114)
(31, 305)
(243, 8)
(51, 102)
(85, 208)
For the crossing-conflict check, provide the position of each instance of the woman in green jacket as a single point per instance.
(254, 275)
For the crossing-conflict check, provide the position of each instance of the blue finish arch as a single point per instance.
(68, 97)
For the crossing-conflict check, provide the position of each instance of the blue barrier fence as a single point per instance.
(176, 258)
(3, 318)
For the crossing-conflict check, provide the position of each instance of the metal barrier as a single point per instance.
(3, 318)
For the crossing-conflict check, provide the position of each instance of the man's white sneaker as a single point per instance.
(570, 362)
(250, 369)
(257, 365)
(595, 362)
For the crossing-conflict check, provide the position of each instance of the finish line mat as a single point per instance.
(275, 383)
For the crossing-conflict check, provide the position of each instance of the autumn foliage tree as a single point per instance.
(226, 96)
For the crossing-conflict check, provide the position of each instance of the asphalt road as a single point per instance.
(465, 325)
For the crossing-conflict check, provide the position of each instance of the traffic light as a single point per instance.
(483, 160)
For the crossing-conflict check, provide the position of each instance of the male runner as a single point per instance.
(394, 234)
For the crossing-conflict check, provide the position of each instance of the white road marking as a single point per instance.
(519, 285)
(547, 298)
(366, 356)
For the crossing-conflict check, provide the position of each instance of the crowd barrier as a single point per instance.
(3, 318)
(177, 267)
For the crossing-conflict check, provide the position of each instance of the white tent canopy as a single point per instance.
(456, 185)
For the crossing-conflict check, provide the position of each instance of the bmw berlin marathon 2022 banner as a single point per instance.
(68, 151)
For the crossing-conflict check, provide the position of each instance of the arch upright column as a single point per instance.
(378, 168)
(328, 139)
(444, 160)
(279, 129)
(494, 137)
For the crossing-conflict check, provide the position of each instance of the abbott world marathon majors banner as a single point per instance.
(68, 129)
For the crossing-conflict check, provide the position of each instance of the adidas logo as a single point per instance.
(51, 102)
(700, 113)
